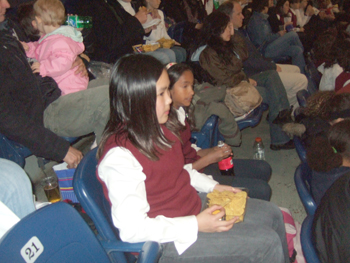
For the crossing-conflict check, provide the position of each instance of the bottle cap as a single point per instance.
(258, 139)
(220, 144)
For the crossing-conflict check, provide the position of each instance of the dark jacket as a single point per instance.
(116, 31)
(331, 226)
(224, 75)
(255, 62)
(23, 99)
(321, 181)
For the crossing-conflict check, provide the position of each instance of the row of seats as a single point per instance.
(73, 241)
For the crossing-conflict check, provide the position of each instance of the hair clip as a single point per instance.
(334, 150)
(169, 65)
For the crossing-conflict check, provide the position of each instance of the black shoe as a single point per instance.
(287, 146)
(283, 117)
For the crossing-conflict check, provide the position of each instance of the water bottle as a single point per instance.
(259, 150)
(79, 21)
(216, 4)
(226, 166)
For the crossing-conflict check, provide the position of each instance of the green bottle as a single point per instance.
(216, 4)
(79, 21)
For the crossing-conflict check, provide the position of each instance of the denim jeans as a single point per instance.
(80, 113)
(287, 45)
(260, 238)
(274, 94)
(180, 54)
(251, 174)
(15, 189)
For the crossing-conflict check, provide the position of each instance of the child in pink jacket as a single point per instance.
(57, 48)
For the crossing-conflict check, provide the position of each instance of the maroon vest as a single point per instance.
(340, 80)
(189, 153)
(168, 188)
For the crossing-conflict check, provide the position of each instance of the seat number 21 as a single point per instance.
(32, 250)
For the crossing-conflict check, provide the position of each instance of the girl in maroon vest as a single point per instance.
(251, 174)
(153, 195)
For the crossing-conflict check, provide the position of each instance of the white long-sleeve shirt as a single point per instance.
(125, 180)
(159, 32)
(329, 75)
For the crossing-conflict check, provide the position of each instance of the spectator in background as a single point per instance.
(255, 63)
(118, 26)
(223, 61)
(329, 157)
(159, 31)
(274, 45)
(33, 113)
(58, 47)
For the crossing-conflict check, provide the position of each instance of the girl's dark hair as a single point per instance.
(343, 53)
(26, 15)
(323, 48)
(328, 153)
(214, 25)
(175, 72)
(132, 92)
(279, 7)
(259, 5)
(294, 1)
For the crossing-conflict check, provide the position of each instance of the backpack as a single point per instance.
(242, 98)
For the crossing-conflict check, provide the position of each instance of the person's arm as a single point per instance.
(16, 125)
(211, 155)
(123, 176)
(30, 48)
(255, 62)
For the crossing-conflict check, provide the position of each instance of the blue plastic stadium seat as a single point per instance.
(209, 135)
(306, 241)
(300, 148)
(89, 192)
(302, 179)
(302, 96)
(57, 233)
(252, 119)
(16, 152)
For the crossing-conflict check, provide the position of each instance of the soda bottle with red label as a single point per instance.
(226, 165)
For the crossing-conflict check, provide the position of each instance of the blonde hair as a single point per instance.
(51, 12)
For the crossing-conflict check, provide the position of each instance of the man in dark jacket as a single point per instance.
(28, 101)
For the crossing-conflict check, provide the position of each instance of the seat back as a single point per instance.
(207, 137)
(302, 179)
(306, 240)
(302, 96)
(13, 151)
(252, 119)
(90, 194)
(17, 153)
(55, 233)
(300, 148)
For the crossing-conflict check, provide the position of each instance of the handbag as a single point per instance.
(242, 98)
